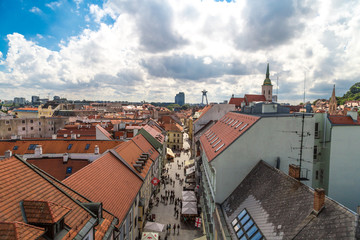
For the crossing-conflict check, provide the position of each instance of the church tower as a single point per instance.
(267, 87)
(333, 103)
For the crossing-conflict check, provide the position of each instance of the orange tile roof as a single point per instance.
(38, 211)
(130, 152)
(57, 146)
(254, 98)
(107, 180)
(224, 132)
(343, 120)
(18, 231)
(236, 101)
(173, 127)
(20, 181)
(101, 228)
(156, 134)
(145, 146)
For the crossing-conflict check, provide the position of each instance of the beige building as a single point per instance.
(47, 110)
(175, 136)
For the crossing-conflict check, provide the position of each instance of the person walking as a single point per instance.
(178, 227)
(174, 228)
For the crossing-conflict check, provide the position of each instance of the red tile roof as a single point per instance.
(224, 132)
(103, 131)
(20, 181)
(343, 120)
(145, 146)
(173, 127)
(254, 98)
(156, 134)
(236, 101)
(45, 212)
(56, 167)
(109, 181)
(57, 146)
(19, 231)
(130, 152)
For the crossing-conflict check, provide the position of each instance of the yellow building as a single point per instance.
(26, 112)
(48, 109)
(175, 136)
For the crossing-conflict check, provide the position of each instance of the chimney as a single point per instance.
(319, 199)
(294, 171)
(54, 136)
(65, 157)
(38, 150)
(73, 136)
(353, 115)
(97, 150)
(8, 154)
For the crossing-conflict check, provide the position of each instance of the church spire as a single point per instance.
(267, 80)
(333, 103)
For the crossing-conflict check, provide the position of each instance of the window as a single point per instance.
(231, 122)
(238, 125)
(31, 121)
(39, 123)
(269, 92)
(235, 123)
(32, 147)
(68, 170)
(243, 127)
(220, 147)
(15, 147)
(317, 175)
(23, 121)
(7, 122)
(174, 134)
(39, 129)
(245, 227)
(31, 128)
(214, 140)
(317, 130)
(178, 135)
(23, 128)
(87, 146)
(69, 146)
(264, 92)
(315, 152)
(9, 129)
(216, 143)
(321, 175)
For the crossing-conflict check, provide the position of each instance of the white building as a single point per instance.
(235, 144)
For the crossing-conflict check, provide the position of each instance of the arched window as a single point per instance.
(264, 92)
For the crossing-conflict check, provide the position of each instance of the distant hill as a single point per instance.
(352, 94)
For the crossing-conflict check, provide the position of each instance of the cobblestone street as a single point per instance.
(165, 213)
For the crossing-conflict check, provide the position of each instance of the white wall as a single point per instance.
(268, 139)
(216, 112)
(344, 171)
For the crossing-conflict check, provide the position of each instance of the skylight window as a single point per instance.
(243, 127)
(217, 143)
(228, 121)
(245, 227)
(87, 146)
(238, 125)
(220, 147)
(32, 146)
(69, 146)
(214, 140)
(212, 137)
(225, 119)
(15, 147)
(208, 133)
(235, 123)
(231, 121)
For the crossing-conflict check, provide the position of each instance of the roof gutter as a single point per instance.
(111, 228)
(86, 229)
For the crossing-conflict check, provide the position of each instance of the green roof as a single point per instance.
(155, 143)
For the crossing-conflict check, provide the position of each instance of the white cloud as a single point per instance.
(54, 5)
(155, 49)
(35, 10)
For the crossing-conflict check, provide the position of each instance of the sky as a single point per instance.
(134, 50)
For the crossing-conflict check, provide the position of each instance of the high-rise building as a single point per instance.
(35, 99)
(19, 101)
(180, 98)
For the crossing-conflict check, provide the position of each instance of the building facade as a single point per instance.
(180, 98)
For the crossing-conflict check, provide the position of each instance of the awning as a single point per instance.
(189, 211)
(201, 238)
(154, 227)
(170, 152)
(190, 170)
(149, 236)
(188, 193)
(189, 162)
(189, 199)
(189, 204)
